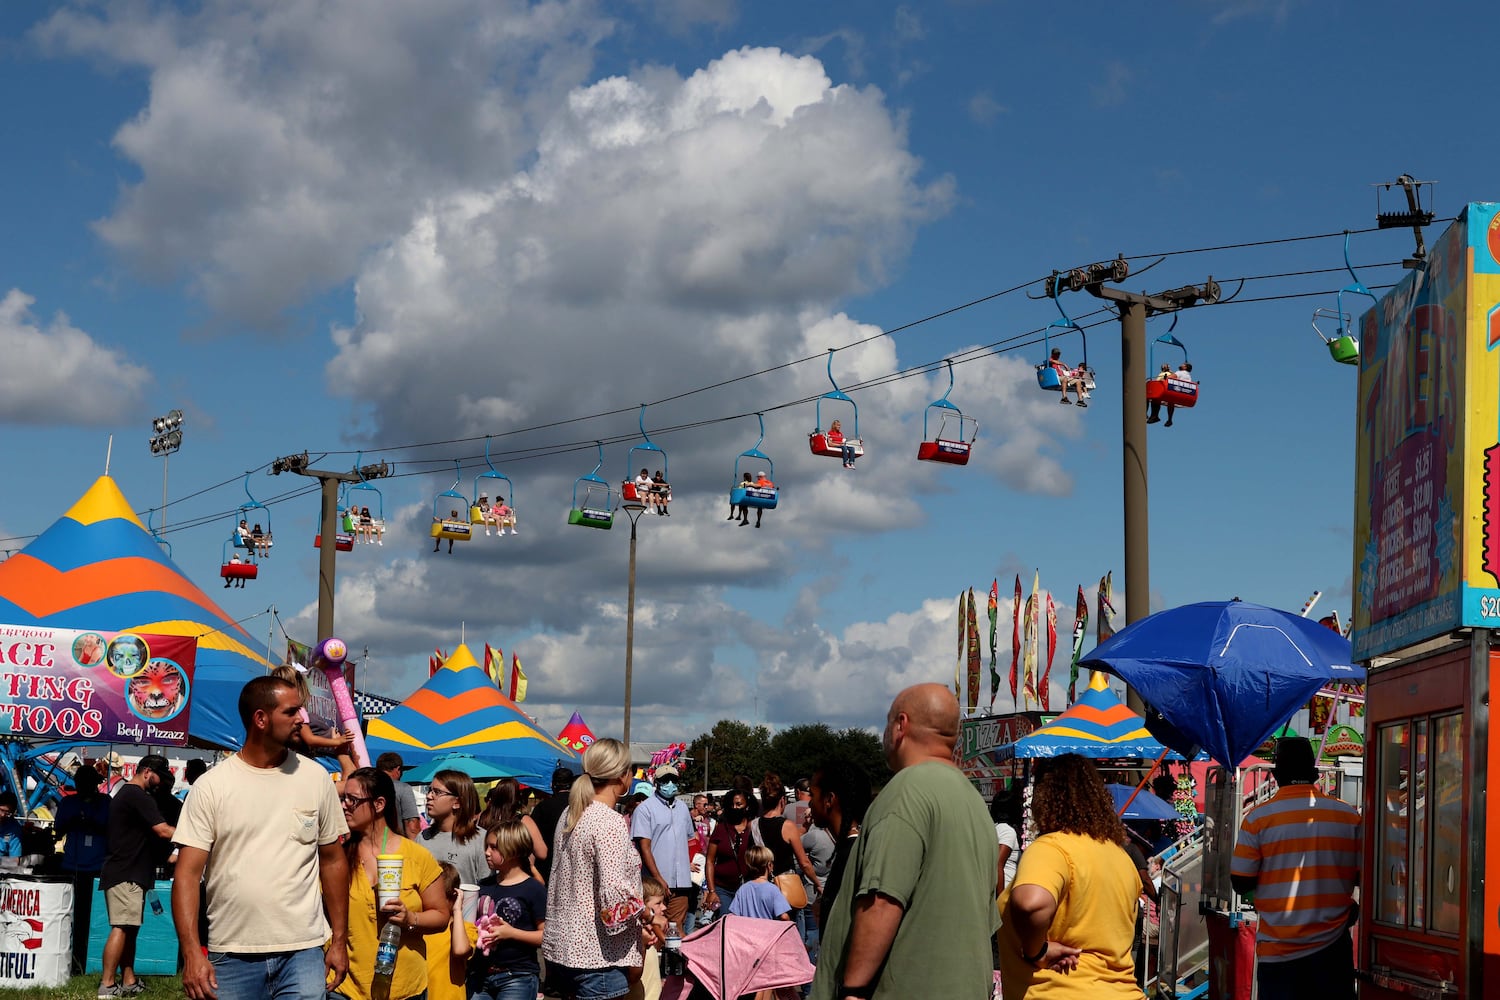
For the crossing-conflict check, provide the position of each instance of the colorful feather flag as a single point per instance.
(994, 618)
(974, 655)
(435, 662)
(1029, 641)
(494, 665)
(1046, 685)
(1080, 629)
(517, 679)
(1015, 641)
(1106, 607)
(963, 642)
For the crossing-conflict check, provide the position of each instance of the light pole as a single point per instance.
(633, 509)
(166, 438)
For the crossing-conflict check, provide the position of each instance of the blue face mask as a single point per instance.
(667, 790)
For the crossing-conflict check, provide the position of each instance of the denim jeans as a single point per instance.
(278, 975)
(726, 896)
(505, 986)
(589, 984)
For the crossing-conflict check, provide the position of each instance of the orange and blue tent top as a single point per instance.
(459, 708)
(1097, 725)
(97, 567)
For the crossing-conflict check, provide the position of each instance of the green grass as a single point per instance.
(85, 988)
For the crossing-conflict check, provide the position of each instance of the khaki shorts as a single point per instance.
(126, 904)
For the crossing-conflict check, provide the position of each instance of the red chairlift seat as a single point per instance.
(1172, 391)
(818, 442)
(341, 542)
(239, 571)
(943, 450)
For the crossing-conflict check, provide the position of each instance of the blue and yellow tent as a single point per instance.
(97, 567)
(1097, 725)
(459, 708)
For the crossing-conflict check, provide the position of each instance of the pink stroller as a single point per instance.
(741, 956)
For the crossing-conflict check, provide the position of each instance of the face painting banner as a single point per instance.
(120, 687)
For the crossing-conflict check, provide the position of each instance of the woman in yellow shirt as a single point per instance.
(370, 808)
(1067, 922)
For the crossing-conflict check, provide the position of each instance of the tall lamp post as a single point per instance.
(166, 437)
(633, 509)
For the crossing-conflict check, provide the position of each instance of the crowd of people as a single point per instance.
(288, 884)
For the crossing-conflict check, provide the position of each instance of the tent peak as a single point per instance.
(103, 501)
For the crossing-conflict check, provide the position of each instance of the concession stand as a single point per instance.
(1427, 604)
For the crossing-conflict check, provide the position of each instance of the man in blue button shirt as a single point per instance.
(661, 827)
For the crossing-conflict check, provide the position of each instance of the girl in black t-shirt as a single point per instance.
(512, 916)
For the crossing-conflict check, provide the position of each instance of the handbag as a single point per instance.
(789, 882)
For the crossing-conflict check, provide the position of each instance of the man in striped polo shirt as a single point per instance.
(1299, 854)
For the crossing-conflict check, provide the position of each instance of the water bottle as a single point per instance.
(674, 950)
(385, 962)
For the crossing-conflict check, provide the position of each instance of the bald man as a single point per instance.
(917, 910)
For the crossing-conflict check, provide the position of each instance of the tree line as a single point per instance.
(733, 747)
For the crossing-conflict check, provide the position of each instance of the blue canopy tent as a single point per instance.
(1098, 725)
(460, 709)
(1222, 675)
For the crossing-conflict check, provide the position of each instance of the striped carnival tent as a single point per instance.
(97, 567)
(459, 708)
(1097, 725)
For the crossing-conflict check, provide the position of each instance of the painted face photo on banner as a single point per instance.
(158, 692)
(127, 655)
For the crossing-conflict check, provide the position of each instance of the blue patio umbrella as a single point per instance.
(1222, 675)
(475, 767)
(1145, 805)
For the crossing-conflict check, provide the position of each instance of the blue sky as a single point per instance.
(356, 226)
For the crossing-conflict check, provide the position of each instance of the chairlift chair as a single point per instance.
(629, 492)
(245, 570)
(455, 525)
(478, 514)
(940, 447)
(1343, 347)
(1171, 390)
(752, 496)
(247, 541)
(1047, 376)
(596, 508)
(818, 441)
(377, 516)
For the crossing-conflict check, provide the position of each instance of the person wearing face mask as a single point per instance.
(661, 827)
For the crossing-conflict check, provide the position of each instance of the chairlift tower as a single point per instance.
(1134, 309)
(329, 522)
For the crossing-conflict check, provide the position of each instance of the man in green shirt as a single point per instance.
(917, 910)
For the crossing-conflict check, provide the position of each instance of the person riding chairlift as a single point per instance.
(1068, 378)
(1184, 373)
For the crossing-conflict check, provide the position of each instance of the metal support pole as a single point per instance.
(327, 553)
(1133, 437)
(630, 629)
(164, 460)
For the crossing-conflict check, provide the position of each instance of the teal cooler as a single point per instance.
(155, 945)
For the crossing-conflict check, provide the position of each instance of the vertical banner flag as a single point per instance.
(974, 655)
(1106, 607)
(963, 640)
(994, 619)
(1046, 686)
(494, 665)
(435, 662)
(517, 678)
(1029, 639)
(1080, 629)
(1015, 641)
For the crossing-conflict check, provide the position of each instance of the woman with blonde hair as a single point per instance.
(1068, 918)
(455, 835)
(592, 940)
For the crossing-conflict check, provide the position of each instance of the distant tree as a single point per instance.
(797, 750)
(731, 747)
(862, 748)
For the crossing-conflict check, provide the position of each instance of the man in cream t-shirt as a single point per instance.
(265, 826)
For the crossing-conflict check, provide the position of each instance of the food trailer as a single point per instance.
(1426, 604)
